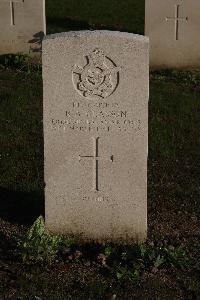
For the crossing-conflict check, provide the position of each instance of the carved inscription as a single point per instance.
(96, 158)
(176, 20)
(17, 40)
(96, 117)
(101, 198)
(98, 79)
(12, 10)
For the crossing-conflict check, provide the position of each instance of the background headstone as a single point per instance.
(22, 25)
(173, 30)
(95, 134)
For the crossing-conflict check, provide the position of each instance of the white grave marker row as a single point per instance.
(22, 26)
(173, 29)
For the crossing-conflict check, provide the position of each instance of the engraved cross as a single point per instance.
(176, 19)
(96, 158)
(12, 10)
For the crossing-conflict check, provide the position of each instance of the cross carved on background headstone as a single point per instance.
(12, 10)
(176, 19)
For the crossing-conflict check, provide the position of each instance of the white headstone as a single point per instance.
(95, 134)
(22, 26)
(173, 30)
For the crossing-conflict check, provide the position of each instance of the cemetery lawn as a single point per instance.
(85, 271)
(124, 15)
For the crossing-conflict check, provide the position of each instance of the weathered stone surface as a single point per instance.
(95, 134)
(22, 26)
(173, 30)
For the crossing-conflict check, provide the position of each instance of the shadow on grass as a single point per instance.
(68, 23)
(74, 23)
(21, 207)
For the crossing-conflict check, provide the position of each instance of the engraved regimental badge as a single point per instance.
(98, 79)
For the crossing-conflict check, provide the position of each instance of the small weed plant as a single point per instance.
(122, 262)
(130, 262)
(21, 62)
(40, 246)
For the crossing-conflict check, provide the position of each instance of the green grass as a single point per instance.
(123, 15)
(174, 122)
(21, 154)
(174, 144)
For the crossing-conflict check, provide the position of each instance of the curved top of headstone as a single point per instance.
(76, 34)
